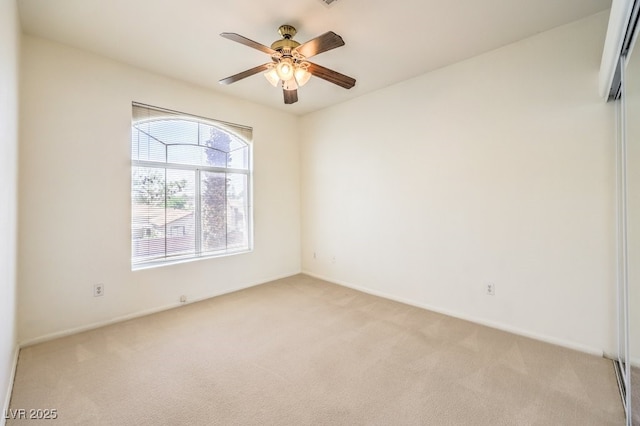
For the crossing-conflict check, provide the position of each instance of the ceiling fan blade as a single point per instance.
(290, 96)
(245, 74)
(315, 46)
(243, 40)
(331, 76)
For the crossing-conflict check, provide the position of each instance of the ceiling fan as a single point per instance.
(289, 63)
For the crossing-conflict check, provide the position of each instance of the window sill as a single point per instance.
(179, 260)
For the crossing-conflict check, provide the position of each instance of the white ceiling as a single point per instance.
(386, 41)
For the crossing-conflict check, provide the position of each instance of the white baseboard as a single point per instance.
(12, 377)
(92, 326)
(493, 324)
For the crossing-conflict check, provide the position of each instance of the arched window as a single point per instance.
(190, 187)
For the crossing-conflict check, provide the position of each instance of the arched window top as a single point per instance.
(167, 137)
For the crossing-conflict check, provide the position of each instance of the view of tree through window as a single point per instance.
(190, 189)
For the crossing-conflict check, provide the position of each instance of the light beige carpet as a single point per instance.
(301, 351)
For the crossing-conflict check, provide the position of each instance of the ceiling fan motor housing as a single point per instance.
(286, 44)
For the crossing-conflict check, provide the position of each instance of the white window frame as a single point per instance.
(199, 254)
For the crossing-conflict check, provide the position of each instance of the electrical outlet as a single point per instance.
(183, 299)
(98, 290)
(490, 289)
(333, 259)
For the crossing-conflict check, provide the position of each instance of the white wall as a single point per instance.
(75, 193)
(496, 169)
(9, 66)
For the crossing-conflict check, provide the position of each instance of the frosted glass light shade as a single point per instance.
(272, 77)
(285, 69)
(302, 76)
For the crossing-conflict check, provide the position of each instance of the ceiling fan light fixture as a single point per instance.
(302, 76)
(272, 77)
(285, 69)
